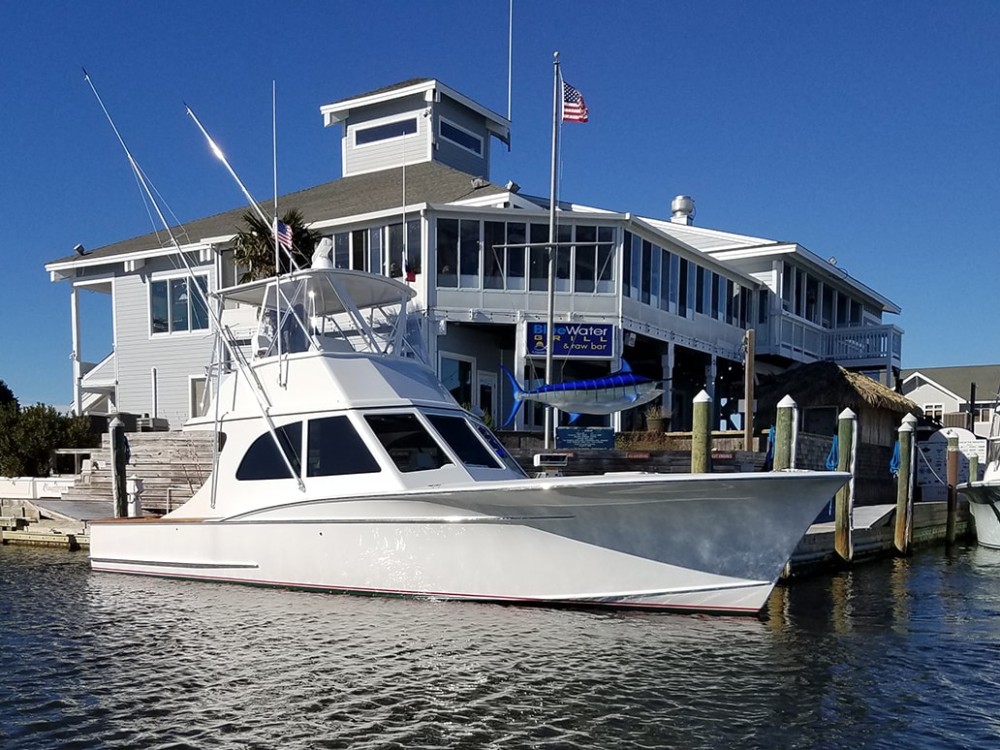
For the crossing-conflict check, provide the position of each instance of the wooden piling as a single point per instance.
(843, 542)
(701, 435)
(784, 434)
(952, 478)
(904, 487)
(974, 467)
(117, 442)
(748, 409)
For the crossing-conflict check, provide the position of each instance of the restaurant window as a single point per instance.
(461, 137)
(627, 265)
(645, 272)
(468, 254)
(176, 305)
(364, 136)
(539, 258)
(456, 375)
(605, 259)
(494, 254)
(447, 252)
(515, 255)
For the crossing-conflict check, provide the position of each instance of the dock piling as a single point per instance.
(952, 478)
(904, 487)
(116, 440)
(701, 435)
(784, 434)
(844, 504)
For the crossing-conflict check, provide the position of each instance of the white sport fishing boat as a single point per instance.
(984, 495)
(346, 466)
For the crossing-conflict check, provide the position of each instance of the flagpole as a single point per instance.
(550, 314)
(274, 227)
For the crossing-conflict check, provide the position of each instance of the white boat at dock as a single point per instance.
(984, 495)
(346, 466)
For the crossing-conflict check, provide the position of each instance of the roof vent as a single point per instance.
(682, 210)
(479, 182)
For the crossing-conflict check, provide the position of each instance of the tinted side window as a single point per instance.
(336, 448)
(461, 439)
(263, 459)
(406, 441)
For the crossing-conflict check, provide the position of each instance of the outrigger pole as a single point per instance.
(236, 354)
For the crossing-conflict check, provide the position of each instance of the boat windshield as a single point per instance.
(407, 442)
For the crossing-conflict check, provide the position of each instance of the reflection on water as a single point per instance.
(894, 654)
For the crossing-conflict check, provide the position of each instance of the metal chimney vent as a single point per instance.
(682, 210)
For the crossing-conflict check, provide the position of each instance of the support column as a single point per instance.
(520, 360)
(74, 313)
(667, 363)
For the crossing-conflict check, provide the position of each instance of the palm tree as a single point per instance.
(255, 245)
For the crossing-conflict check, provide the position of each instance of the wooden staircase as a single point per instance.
(171, 465)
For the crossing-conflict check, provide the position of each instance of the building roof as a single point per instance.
(426, 182)
(728, 246)
(428, 87)
(958, 380)
(826, 383)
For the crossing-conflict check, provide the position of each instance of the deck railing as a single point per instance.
(856, 346)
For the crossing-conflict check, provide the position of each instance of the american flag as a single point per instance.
(574, 109)
(284, 235)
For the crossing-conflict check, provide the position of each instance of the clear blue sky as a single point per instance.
(862, 130)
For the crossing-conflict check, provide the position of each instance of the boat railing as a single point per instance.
(316, 310)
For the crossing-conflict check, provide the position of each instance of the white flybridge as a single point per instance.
(345, 465)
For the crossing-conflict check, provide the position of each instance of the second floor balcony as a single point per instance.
(857, 347)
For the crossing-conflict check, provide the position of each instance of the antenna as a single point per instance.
(510, 56)
(253, 203)
(261, 397)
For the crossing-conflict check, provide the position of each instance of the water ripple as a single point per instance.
(894, 654)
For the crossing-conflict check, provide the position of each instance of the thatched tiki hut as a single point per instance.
(823, 390)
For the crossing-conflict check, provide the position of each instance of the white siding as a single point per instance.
(372, 157)
(175, 356)
(456, 156)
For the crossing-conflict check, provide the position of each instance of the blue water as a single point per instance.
(894, 654)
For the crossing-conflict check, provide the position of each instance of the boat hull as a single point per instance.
(984, 504)
(678, 542)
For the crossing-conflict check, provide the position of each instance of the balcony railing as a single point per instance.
(99, 374)
(858, 346)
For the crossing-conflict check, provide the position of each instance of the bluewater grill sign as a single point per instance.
(573, 340)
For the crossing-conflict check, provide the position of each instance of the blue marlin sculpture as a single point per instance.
(615, 392)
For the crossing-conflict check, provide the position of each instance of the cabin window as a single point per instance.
(407, 442)
(335, 448)
(176, 306)
(363, 136)
(461, 438)
(461, 137)
(263, 460)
